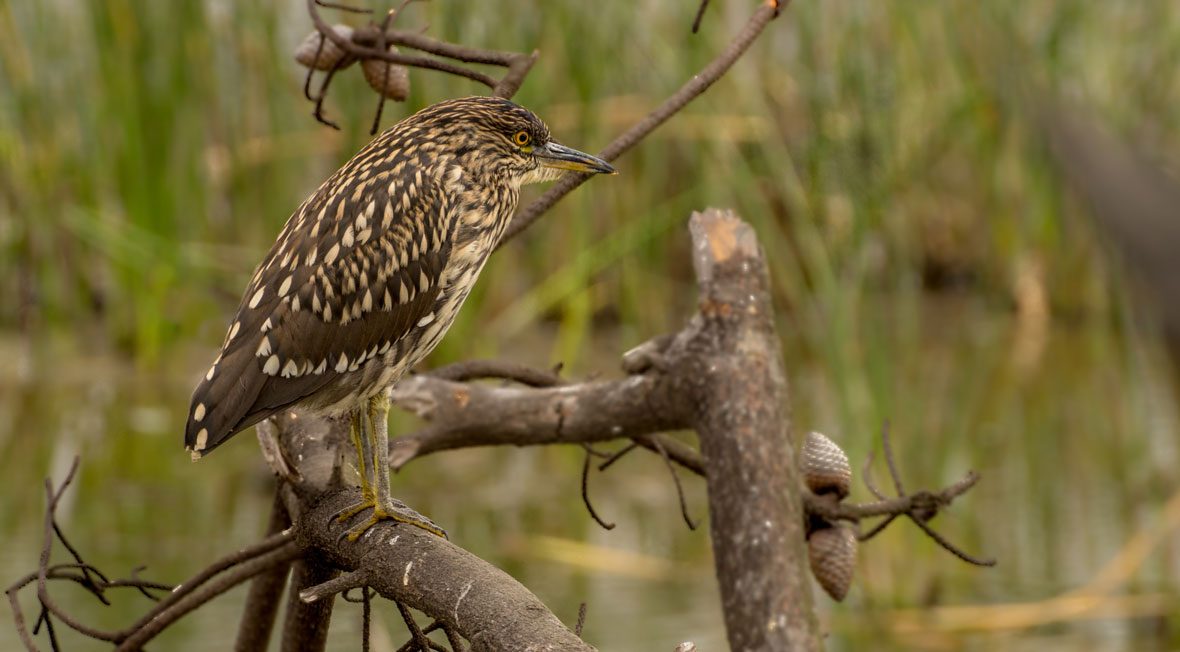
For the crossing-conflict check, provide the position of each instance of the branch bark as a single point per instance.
(406, 564)
(731, 364)
(402, 563)
(722, 376)
(262, 602)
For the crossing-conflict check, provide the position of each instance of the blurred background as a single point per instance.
(931, 266)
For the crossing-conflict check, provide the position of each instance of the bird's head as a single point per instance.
(497, 138)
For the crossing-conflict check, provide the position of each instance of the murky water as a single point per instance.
(1073, 431)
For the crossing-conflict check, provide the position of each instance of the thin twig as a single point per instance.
(867, 475)
(476, 369)
(86, 569)
(338, 584)
(696, 22)
(351, 46)
(681, 453)
(878, 528)
(618, 455)
(311, 70)
(240, 573)
(343, 7)
(18, 616)
(318, 114)
(581, 619)
(887, 446)
(366, 618)
(699, 83)
(589, 448)
(454, 638)
(47, 602)
(191, 585)
(950, 547)
(586, 494)
(384, 72)
(416, 633)
(52, 633)
(679, 488)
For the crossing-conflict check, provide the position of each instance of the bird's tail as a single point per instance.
(221, 401)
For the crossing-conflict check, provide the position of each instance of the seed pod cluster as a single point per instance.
(831, 548)
(310, 53)
(832, 553)
(390, 80)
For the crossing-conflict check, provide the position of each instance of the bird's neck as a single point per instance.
(484, 206)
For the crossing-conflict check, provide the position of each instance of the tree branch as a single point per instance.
(262, 602)
(767, 11)
(365, 41)
(408, 565)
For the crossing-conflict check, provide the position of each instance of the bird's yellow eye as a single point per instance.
(522, 138)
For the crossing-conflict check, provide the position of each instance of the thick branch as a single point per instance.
(635, 406)
(721, 375)
(306, 626)
(732, 366)
(262, 602)
(403, 563)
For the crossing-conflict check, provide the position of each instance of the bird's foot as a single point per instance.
(388, 510)
(368, 499)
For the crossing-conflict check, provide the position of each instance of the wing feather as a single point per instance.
(317, 311)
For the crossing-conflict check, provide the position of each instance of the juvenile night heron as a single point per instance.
(368, 274)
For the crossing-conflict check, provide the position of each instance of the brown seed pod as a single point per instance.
(824, 466)
(395, 85)
(329, 56)
(832, 553)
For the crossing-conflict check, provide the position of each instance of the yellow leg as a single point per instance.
(364, 466)
(375, 444)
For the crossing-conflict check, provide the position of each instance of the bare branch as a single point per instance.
(569, 414)
(675, 480)
(262, 602)
(408, 565)
(475, 369)
(698, 84)
(369, 42)
(586, 491)
(180, 608)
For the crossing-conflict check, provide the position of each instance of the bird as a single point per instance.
(368, 274)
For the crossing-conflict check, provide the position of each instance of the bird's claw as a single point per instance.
(392, 510)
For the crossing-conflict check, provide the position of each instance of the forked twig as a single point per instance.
(919, 507)
(586, 493)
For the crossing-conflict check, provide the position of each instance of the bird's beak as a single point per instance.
(554, 155)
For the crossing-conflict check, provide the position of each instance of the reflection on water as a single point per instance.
(1075, 437)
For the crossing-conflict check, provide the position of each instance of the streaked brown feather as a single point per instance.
(303, 337)
(411, 217)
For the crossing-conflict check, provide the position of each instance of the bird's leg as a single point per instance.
(364, 466)
(385, 507)
(357, 424)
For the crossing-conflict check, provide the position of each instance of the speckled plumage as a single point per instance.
(368, 274)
